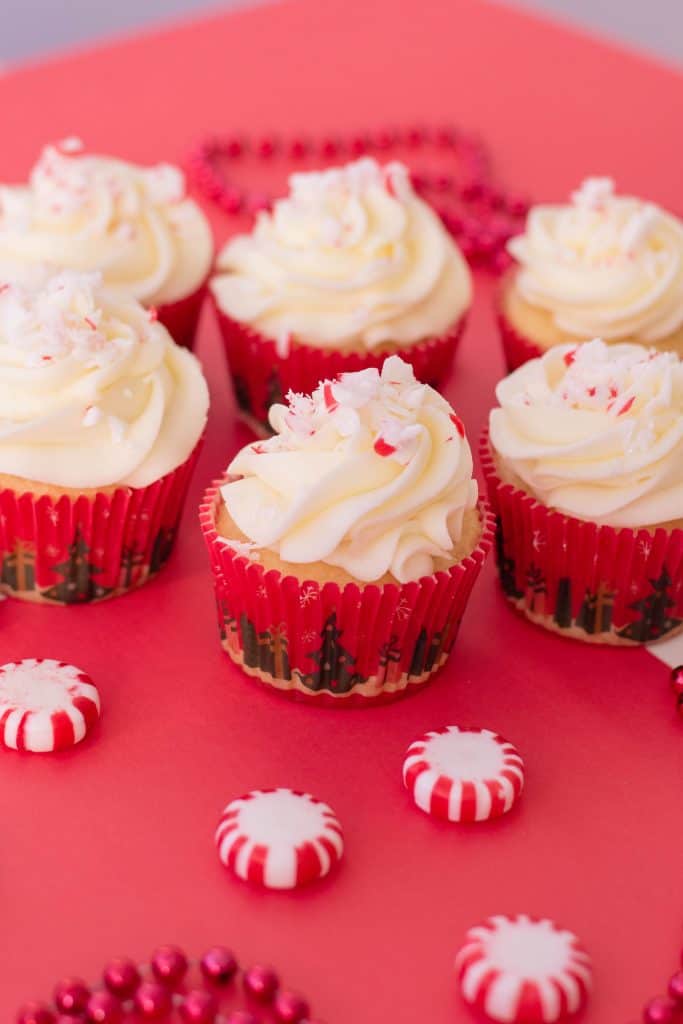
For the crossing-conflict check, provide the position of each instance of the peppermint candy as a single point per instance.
(278, 838)
(45, 705)
(522, 970)
(463, 774)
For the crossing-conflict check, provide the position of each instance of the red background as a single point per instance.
(108, 848)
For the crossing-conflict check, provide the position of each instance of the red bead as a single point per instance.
(298, 148)
(660, 1011)
(359, 145)
(446, 137)
(231, 199)
(415, 136)
(219, 965)
(330, 147)
(676, 987)
(153, 1000)
(517, 206)
(677, 679)
(485, 242)
(290, 1008)
(169, 965)
(35, 1013)
(419, 181)
(103, 1008)
(234, 147)
(471, 189)
(444, 182)
(266, 147)
(199, 1007)
(122, 977)
(384, 139)
(243, 1017)
(71, 996)
(261, 983)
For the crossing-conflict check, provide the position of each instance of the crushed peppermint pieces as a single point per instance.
(390, 401)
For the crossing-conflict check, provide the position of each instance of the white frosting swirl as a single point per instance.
(352, 257)
(604, 266)
(372, 473)
(596, 431)
(93, 392)
(90, 213)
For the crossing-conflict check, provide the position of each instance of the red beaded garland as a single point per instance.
(153, 1000)
(261, 983)
(290, 1008)
(35, 1013)
(481, 242)
(219, 965)
(71, 996)
(121, 977)
(103, 1008)
(169, 965)
(199, 1007)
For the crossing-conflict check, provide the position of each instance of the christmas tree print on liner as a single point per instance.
(335, 664)
(78, 583)
(654, 621)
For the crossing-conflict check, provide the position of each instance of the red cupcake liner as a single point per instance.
(75, 551)
(261, 377)
(337, 645)
(517, 349)
(597, 583)
(182, 317)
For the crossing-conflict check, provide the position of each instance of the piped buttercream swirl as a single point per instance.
(352, 257)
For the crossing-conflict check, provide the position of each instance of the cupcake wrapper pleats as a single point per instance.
(597, 583)
(262, 376)
(341, 645)
(66, 551)
(516, 348)
(182, 317)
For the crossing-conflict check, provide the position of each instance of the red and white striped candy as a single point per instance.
(45, 705)
(463, 774)
(523, 970)
(278, 838)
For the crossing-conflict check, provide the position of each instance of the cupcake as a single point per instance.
(604, 266)
(135, 225)
(584, 466)
(102, 416)
(344, 549)
(350, 267)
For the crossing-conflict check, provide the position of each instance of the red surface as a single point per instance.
(109, 848)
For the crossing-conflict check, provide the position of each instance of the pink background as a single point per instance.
(108, 848)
